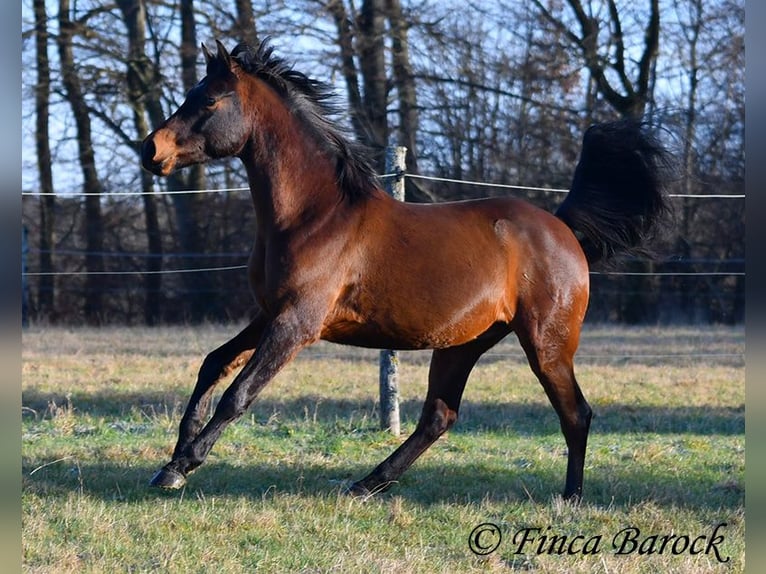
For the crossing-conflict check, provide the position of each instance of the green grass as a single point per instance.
(100, 410)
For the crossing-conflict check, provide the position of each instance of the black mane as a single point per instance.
(313, 101)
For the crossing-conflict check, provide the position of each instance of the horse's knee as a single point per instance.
(437, 419)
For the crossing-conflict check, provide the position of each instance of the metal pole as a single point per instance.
(389, 360)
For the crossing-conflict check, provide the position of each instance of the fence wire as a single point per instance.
(384, 176)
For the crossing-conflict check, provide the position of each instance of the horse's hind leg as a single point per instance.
(446, 381)
(218, 364)
(550, 349)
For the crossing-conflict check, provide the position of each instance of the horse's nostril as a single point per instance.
(148, 151)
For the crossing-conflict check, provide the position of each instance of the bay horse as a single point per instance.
(335, 258)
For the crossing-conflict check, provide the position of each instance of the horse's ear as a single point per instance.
(223, 53)
(208, 56)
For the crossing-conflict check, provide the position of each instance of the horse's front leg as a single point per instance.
(280, 342)
(218, 364)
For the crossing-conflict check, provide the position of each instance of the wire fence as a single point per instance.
(384, 176)
(734, 353)
(240, 267)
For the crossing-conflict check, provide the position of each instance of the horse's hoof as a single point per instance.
(169, 479)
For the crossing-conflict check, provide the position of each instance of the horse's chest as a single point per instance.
(277, 275)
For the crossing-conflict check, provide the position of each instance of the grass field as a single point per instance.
(666, 460)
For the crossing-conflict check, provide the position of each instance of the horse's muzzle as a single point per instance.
(148, 153)
(158, 153)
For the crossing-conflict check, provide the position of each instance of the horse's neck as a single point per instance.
(288, 189)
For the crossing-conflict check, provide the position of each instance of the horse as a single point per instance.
(335, 258)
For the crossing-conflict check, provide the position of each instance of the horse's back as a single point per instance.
(497, 235)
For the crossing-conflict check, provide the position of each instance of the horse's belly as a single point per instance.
(366, 335)
(401, 331)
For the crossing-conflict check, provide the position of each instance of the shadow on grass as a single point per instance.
(617, 482)
(522, 418)
(426, 483)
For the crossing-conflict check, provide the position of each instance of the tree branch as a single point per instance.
(493, 90)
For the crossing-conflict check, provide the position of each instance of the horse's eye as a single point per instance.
(210, 102)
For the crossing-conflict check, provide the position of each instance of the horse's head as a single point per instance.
(253, 101)
(208, 124)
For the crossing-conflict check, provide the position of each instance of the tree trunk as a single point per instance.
(139, 74)
(683, 248)
(372, 64)
(405, 87)
(244, 27)
(349, 70)
(46, 285)
(190, 208)
(93, 228)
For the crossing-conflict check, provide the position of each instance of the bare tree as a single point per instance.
(345, 38)
(190, 209)
(606, 57)
(46, 286)
(404, 82)
(372, 65)
(709, 42)
(245, 26)
(497, 101)
(496, 92)
(140, 75)
(93, 223)
(383, 82)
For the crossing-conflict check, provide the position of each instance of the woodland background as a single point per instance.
(485, 91)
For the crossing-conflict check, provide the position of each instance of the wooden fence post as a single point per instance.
(389, 359)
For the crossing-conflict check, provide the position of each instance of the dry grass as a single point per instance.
(666, 455)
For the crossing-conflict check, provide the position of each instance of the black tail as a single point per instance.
(618, 202)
